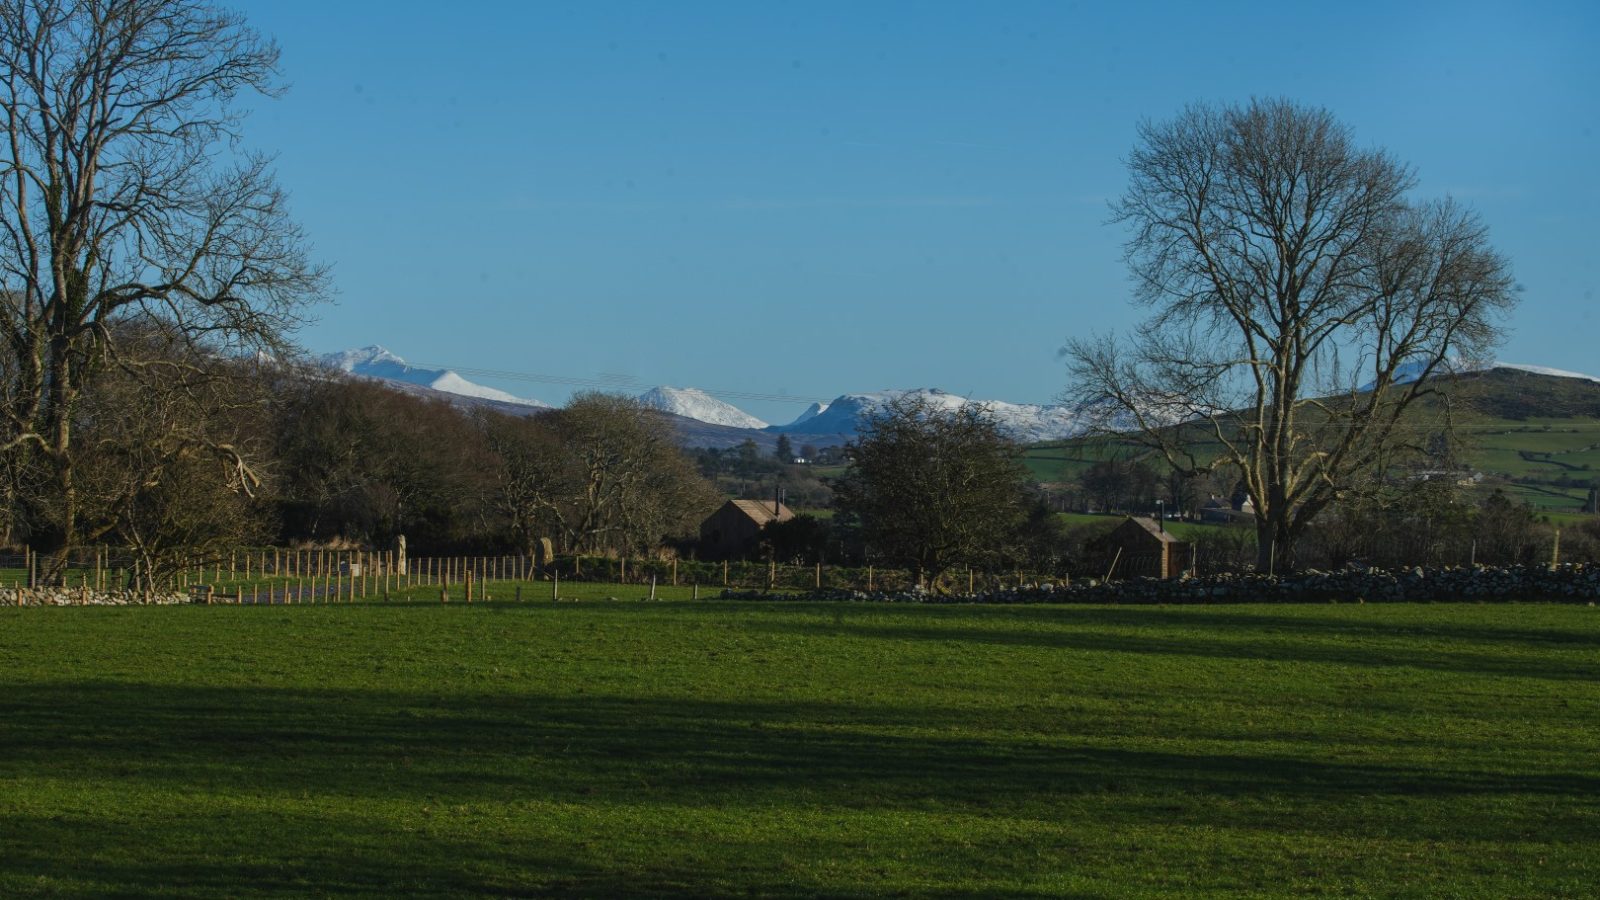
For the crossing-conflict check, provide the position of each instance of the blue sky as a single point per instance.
(808, 199)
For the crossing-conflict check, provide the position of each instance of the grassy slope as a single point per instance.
(1518, 426)
(718, 749)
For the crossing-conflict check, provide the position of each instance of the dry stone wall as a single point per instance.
(1579, 583)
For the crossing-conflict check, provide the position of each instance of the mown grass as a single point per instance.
(720, 749)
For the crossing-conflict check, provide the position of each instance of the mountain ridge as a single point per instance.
(702, 419)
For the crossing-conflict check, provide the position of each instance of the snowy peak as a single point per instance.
(812, 411)
(376, 362)
(692, 403)
(352, 360)
(1409, 372)
(1025, 422)
(1544, 370)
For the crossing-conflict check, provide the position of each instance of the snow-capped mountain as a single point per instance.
(692, 403)
(812, 411)
(376, 362)
(1021, 421)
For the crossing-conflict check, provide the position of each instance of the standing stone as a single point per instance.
(400, 555)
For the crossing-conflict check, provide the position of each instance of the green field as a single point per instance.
(1525, 462)
(719, 749)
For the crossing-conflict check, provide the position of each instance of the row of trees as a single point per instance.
(195, 455)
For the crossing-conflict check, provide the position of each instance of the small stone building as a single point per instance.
(734, 529)
(1143, 548)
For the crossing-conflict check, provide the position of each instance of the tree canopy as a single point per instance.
(934, 487)
(125, 198)
(1301, 304)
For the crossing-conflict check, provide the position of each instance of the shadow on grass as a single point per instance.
(464, 748)
(1248, 638)
(287, 785)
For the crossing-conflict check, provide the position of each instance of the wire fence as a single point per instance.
(280, 575)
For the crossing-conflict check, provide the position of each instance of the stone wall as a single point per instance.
(1579, 583)
(77, 596)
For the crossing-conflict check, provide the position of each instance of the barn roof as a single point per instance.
(1155, 530)
(760, 511)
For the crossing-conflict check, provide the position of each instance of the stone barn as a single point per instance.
(1143, 548)
(734, 529)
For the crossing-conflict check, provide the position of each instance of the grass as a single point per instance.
(719, 749)
(1515, 427)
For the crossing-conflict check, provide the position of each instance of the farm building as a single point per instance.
(734, 529)
(1143, 548)
(1224, 510)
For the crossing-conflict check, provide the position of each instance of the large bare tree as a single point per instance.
(1301, 302)
(126, 197)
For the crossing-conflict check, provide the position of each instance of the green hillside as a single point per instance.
(1536, 437)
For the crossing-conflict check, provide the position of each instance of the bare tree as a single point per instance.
(125, 197)
(1301, 306)
(934, 488)
(160, 448)
(602, 474)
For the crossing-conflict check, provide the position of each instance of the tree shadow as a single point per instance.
(1247, 638)
(346, 752)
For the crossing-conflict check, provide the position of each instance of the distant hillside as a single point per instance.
(1535, 436)
(1517, 395)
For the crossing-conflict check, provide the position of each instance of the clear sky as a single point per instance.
(809, 199)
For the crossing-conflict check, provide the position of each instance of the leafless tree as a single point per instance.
(163, 450)
(601, 474)
(125, 196)
(1301, 305)
(934, 488)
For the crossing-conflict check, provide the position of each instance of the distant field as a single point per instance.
(719, 749)
(1182, 530)
(1541, 451)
